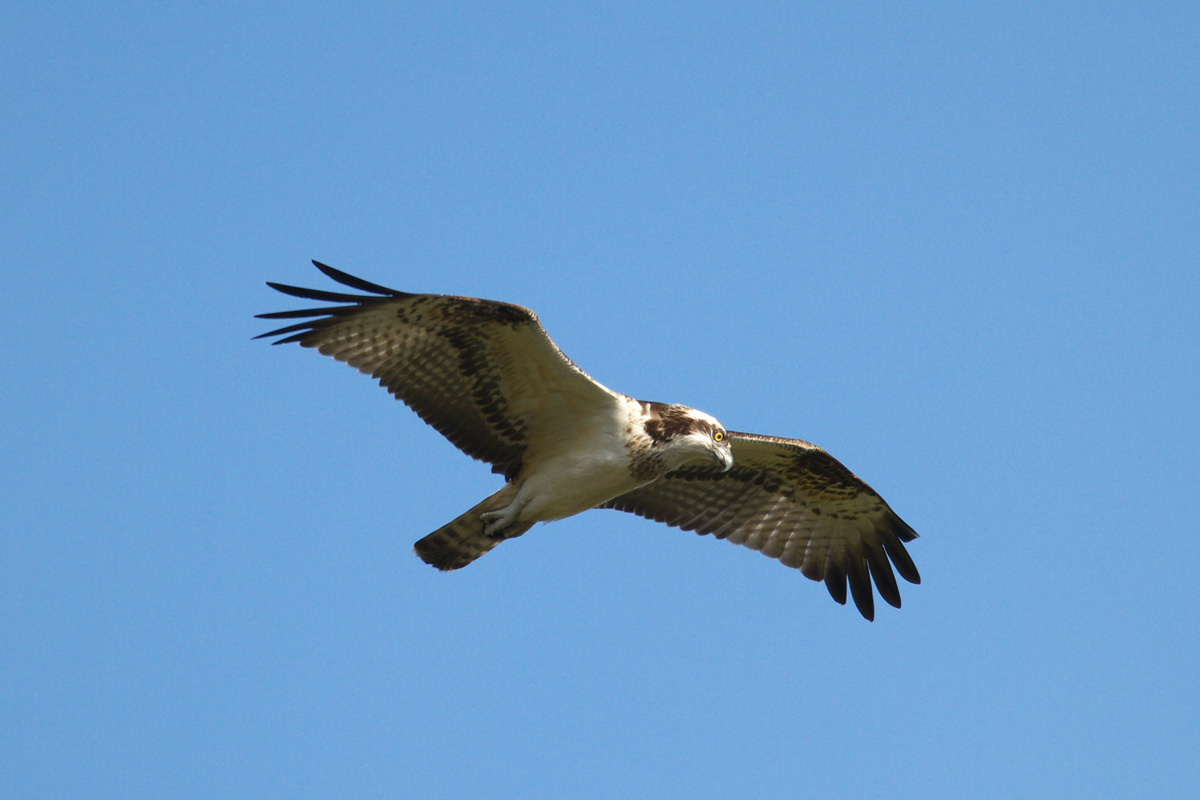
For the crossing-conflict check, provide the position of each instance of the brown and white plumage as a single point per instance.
(487, 376)
(792, 501)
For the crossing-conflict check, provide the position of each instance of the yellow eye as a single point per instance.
(718, 436)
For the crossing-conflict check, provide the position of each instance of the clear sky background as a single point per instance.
(956, 245)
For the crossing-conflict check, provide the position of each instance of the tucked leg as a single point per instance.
(494, 522)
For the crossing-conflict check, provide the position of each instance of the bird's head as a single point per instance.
(684, 435)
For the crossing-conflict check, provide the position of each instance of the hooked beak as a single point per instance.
(726, 459)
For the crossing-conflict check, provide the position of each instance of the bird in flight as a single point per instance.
(487, 376)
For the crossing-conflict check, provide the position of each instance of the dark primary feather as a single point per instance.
(356, 283)
(336, 297)
(792, 501)
(478, 371)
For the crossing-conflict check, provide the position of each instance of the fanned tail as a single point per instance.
(461, 541)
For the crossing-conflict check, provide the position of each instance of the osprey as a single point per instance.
(487, 376)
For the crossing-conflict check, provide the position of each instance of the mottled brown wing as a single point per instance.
(484, 374)
(792, 501)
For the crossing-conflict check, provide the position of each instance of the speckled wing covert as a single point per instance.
(792, 501)
(484, 374)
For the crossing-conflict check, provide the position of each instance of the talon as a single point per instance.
(494, 522)
(495, 529)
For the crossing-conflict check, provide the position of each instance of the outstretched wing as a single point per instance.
(484, 374)
(792, 501)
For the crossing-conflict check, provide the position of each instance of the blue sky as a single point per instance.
(955, 245)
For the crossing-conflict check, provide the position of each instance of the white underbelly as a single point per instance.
(577, 465)
(561, 487)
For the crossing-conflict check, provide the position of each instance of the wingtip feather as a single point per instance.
(860, 589)
(835, 582)
(317, 294)
(902, 560)
(885, 580)
(902, 529)
(301, 327)
(347, 279)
